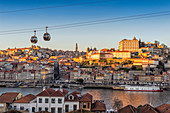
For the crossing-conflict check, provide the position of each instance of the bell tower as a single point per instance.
(76, 49)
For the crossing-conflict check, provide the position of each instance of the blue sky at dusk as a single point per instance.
(100, 36)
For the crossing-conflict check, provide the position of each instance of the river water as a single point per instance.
(108, 95)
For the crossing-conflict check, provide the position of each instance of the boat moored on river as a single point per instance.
(143, 88)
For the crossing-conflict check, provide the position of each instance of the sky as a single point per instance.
(105, 35)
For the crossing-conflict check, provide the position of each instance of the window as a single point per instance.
(74, 107)
(71, 97)
(21, 108)
(59, 110)
(33, 109)
(60, 101)
(40, 109)
(53, 100)
(40, 100)
(52, 110)
(46, 109)
(66, 108)
(84, 105)
(46, 100)
(88, 105)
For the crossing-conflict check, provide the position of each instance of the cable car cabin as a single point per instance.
(47, 36)
(34, 39)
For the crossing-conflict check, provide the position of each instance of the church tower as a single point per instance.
(76, 49)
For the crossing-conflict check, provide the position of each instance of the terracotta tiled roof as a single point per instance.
(98, 106)
(26, 99)
(57, 93)
(8, 97)
(164, 108)
(127, 109)
(146, 109)
(52, 92)
(75, 95)
(46, 92)
(86, 97)
(75, 92)
(65, 91)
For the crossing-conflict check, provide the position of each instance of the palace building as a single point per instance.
(129, 45)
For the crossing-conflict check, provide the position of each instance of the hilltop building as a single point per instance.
(129, 45)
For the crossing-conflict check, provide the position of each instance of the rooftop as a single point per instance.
(52, 92)
(98, 106)
(26, 99)
(8, 97)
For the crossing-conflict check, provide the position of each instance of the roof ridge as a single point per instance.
(47, 92)
(29, 97)
(58, 91)
(131, 108)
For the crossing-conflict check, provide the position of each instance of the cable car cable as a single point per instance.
(49, 7)
(108, 19)
(86, 24)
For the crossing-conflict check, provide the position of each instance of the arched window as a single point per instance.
(71, 97)
(33, 109)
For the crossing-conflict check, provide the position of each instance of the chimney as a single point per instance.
(44, 88)
(61, 89)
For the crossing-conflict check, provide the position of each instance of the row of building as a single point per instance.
(50, 100)
(108, 75)
(63, 101)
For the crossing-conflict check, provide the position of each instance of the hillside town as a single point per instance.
(84, 56)
(134, 60)
(134, 63)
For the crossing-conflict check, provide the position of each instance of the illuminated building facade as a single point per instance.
(129, 45)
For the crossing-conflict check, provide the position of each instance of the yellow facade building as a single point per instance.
(129, 45)
(122, 54)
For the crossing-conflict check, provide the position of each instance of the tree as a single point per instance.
(80, 81)
(111, 61)
(95, 64)
(117, 62)
(118, 104)
(129, 62)
(94, 60)
(83, 63)
(103, 60)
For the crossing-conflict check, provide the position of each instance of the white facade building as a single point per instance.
(25, 103)
(49, 100)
